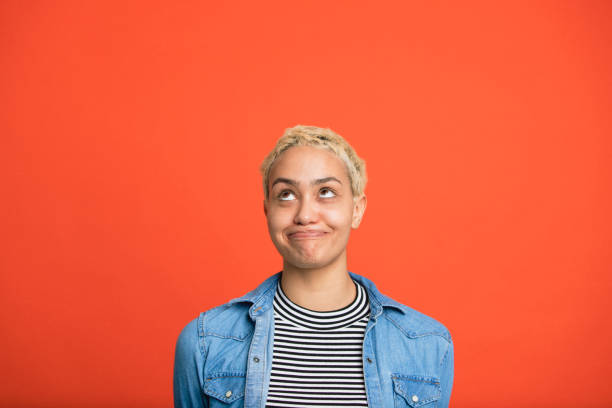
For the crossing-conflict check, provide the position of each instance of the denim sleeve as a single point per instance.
(188, 364)
(447, 375)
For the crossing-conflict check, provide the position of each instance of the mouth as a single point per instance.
(307, 235)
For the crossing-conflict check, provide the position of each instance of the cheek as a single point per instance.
(338, 218)
(272, 223)
(278, 220)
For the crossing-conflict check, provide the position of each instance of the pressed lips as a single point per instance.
(306, 234)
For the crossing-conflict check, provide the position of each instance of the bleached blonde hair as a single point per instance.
(323, 138)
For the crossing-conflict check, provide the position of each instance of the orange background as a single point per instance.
(131, 138)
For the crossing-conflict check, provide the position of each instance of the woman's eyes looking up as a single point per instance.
(331, 194)
(288, 195)
(283, 197)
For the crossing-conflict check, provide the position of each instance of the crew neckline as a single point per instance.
(289, 311)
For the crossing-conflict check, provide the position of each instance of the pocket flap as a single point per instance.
(417, 390)
(226, 387)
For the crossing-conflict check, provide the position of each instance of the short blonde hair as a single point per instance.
(323, 138)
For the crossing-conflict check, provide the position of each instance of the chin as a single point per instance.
(305, 262)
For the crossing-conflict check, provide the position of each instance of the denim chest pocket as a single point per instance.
(415, 391)
(225, 389)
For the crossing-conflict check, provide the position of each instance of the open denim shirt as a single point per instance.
(223, 358)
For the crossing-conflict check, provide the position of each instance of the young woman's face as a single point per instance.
(310, 208)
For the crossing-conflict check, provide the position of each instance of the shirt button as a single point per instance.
(415, 398)
(256, 359)
(228, 394)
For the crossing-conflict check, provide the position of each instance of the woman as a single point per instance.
(314, 334)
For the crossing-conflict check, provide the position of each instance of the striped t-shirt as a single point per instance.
(317, 358)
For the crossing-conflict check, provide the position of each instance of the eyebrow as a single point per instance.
(295, 183)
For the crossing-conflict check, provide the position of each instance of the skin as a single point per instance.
(310, 191)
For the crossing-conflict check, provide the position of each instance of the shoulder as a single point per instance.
(232, 320)
(414, 323)
(229, 320)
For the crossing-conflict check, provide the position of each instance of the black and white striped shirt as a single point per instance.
(317, 358)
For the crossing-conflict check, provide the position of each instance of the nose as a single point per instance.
(307, 212)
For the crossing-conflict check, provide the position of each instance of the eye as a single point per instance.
(330, 193)
(285, 197)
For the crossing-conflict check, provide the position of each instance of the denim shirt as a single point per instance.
(223, 358)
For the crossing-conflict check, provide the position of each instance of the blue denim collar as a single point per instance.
(262, 296)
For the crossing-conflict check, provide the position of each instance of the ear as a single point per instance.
(265, 206)
(358, 210)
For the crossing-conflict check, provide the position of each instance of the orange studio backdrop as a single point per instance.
(131, 134)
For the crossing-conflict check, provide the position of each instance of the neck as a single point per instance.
(320, 289)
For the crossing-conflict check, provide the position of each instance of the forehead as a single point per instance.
(307, 163)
